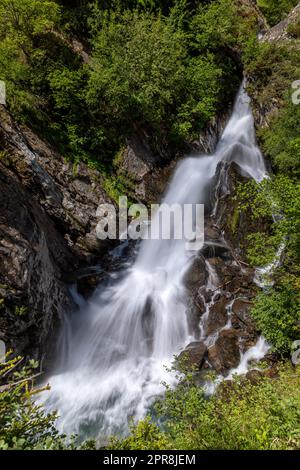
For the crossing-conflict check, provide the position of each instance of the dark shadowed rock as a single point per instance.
(217, 317)
(225, 353)
(241, 313)
(195, 310)
(70, 198)
(47, 231)
(196, 275)
(33, 255)
(254, 376)
(194, 354)
(244, 324)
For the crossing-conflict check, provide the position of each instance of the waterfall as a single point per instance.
(116, 348)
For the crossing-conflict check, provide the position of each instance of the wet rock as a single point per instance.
(195, 310)
(241, 314)
(86, 285)
(33, 256)
(217, 264)
(212, 233)
(225, 353)
(47, 231)
(217, 317)
(254, 376)
(233, 221)
(196, 275)
(244, 324)
(194, 354)
(214, 248)
(206, 294)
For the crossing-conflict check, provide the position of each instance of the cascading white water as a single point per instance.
(116, 348)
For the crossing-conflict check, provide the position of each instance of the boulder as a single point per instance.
(195, 310)
(241, 317)
(217, 317)
(194, 354)
(196, 275)
(225, 353)
(254, 376)
(145, 168)
(280, 32)
(244, 324)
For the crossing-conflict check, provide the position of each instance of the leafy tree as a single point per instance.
(142, 74)
(21, 23)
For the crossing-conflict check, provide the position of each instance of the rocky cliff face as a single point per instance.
(280, 32)
(146, 171)
(221, 285)
(47, 231)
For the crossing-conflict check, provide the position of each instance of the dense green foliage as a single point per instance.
(272, 69)
(282, 141)
(275, 10)
(239, 416)
(161, 67)
(142, 74)
(277, 314)
(24, 425)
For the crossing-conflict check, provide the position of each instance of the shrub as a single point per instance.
(277, 314)
(281, 139)
(239, 416)
(24, 425)
(142, 76)
(276, 10)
